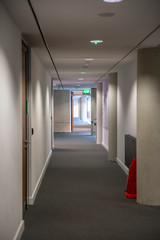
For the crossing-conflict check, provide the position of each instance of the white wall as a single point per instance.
(84, 108)
(40, 121)
(93, 109)
(62, 111)
(126, 105)
(10, 128)
(75, 106)
(105, 114)
(11, 223)
(99, 113)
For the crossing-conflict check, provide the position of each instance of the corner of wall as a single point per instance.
(19, 232)
(122, 165)
(105, 146)
(33, 197)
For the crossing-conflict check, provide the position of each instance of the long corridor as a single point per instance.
(82, 197)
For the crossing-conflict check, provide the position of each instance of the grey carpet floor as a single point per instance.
(78, 122)
(82, 198)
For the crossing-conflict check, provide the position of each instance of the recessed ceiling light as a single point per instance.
(83, 72)
(96, 41)
(112, 1)
(80, 79)
(89, 59)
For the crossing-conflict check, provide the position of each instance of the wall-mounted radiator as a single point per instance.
(130, 149)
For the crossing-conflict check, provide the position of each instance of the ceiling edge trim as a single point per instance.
(44, 40)
(127, 54)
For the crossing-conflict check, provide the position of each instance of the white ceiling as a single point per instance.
(69, 25)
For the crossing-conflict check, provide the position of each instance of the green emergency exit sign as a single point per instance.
(85, 91)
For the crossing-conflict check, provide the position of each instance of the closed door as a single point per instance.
(25, 136)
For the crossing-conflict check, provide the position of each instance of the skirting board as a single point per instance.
(105, 146)
(33, 197)
(19, 232)
(122, 165)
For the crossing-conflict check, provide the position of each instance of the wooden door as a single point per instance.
(25, 142)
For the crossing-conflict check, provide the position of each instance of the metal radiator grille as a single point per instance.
(130, 149)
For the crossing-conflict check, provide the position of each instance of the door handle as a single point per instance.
(26, 142)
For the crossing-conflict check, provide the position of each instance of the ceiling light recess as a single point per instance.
(96, 41)
(89, 59)
(112, 1)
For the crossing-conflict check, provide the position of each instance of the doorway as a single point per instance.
(25, 124)
(81, 112)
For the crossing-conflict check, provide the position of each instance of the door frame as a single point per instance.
(72, 113)
(27, 107)
(52, 114)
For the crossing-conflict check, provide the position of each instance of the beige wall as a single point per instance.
(99, 113)
(62, 111)
(10, 128)
(148, 127)
(105, 114)
(126, 105)
(93, 108)
(112, 116)
(40, 121)
(11, 223)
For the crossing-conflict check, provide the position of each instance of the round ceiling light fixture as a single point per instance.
(112, 1)
(96, 41)
(89, 59)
